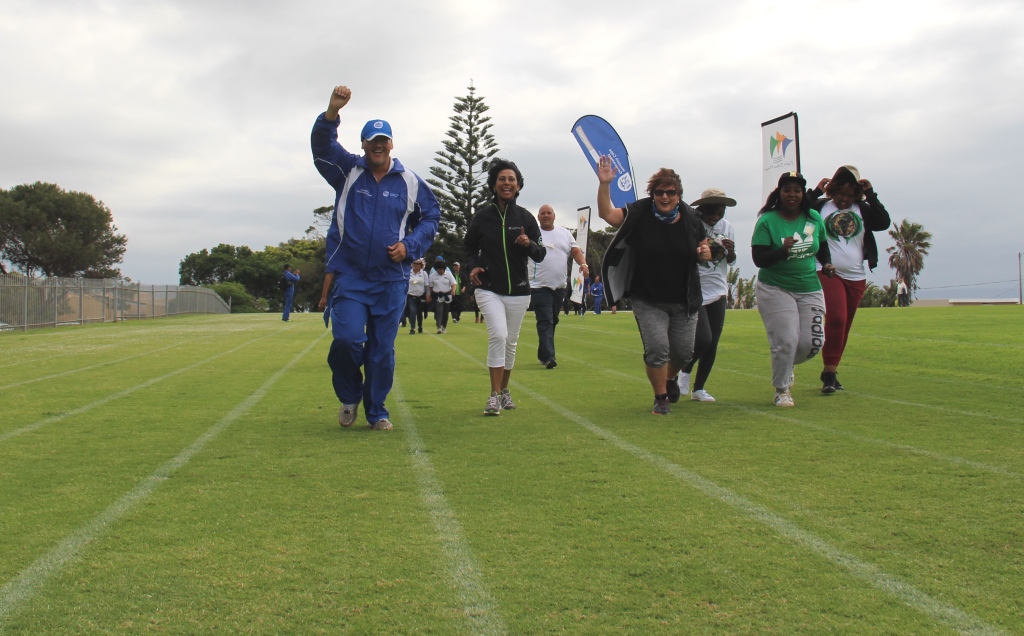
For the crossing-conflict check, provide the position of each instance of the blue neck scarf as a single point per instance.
(668, 217)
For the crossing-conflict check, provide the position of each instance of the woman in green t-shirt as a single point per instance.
(788, 236)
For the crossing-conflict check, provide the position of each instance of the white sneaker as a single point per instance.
(684, 383)
(783, 398)
(702, 396)
(444, 329)
(347, 414)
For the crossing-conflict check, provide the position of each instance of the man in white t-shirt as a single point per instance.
(441, 285)
(548, 280)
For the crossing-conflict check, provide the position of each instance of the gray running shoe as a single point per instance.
(661, 407)
(347, 414)
(506, 401)
(382, 425)
(493, 404)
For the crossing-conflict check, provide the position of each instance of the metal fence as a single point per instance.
(51, 302)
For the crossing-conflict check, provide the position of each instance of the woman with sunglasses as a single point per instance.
(788, 237)
(653, 260)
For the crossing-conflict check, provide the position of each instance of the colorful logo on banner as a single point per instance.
(777, 142)
(597, 138)
(582, 239)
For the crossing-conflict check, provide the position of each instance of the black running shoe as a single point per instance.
(828, 382)
(672, 388)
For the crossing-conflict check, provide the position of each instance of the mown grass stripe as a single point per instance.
(769, 412)
(19, 590)
(766, 378)
(479, 606)
(109, 362)
(28, 428)
(953, 617)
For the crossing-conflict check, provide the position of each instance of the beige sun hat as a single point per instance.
(714, 196)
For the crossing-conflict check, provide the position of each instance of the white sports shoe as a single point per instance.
(783, 399)
(702, 396)
(347, 414)
(684, 383)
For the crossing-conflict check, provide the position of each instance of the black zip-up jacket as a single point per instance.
(491, 243)
(874, 214)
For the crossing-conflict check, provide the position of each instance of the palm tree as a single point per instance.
(907, 255)
(731, 279)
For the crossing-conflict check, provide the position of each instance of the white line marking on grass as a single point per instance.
(126, 392)
(479, 606)
(953, 617)
(949, 615)
(19, 590)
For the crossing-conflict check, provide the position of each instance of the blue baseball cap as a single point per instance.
(375, 128)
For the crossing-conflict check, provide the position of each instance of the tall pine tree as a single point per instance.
(460, 178)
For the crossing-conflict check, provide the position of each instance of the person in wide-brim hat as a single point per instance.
(714, 286)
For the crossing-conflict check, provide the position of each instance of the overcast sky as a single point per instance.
(191, 120)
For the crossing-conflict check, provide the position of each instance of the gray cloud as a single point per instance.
(191, 119)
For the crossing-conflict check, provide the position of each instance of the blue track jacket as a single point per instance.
(370, 216)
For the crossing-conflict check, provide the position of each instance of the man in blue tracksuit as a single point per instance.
(289, 290)
(385, 217)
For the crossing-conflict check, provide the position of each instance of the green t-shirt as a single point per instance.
(795, 273)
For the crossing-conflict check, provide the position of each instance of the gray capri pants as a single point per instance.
(667, 331)
(796, 328)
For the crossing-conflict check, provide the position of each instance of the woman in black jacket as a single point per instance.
(851, 212)
(653, 260)
(499, 240)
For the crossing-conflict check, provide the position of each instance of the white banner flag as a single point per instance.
(780, 151)
(576, 275)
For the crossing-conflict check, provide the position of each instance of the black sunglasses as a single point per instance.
(665, 193)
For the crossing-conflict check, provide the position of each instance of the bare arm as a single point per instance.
(339, 97)
(580, 259)
(611, 215)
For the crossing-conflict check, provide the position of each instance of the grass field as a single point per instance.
(188, 475)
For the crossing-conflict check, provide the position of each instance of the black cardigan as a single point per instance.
(617, 268)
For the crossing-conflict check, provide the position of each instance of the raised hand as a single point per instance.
(605, 171)
(339, 97)
(523, 240)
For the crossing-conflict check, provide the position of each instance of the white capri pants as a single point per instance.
(504, 318)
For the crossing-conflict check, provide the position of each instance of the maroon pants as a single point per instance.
(841, 299)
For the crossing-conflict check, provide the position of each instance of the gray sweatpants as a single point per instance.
(667, 331)
(796, 328)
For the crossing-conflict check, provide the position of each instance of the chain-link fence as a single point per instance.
(52, 302)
